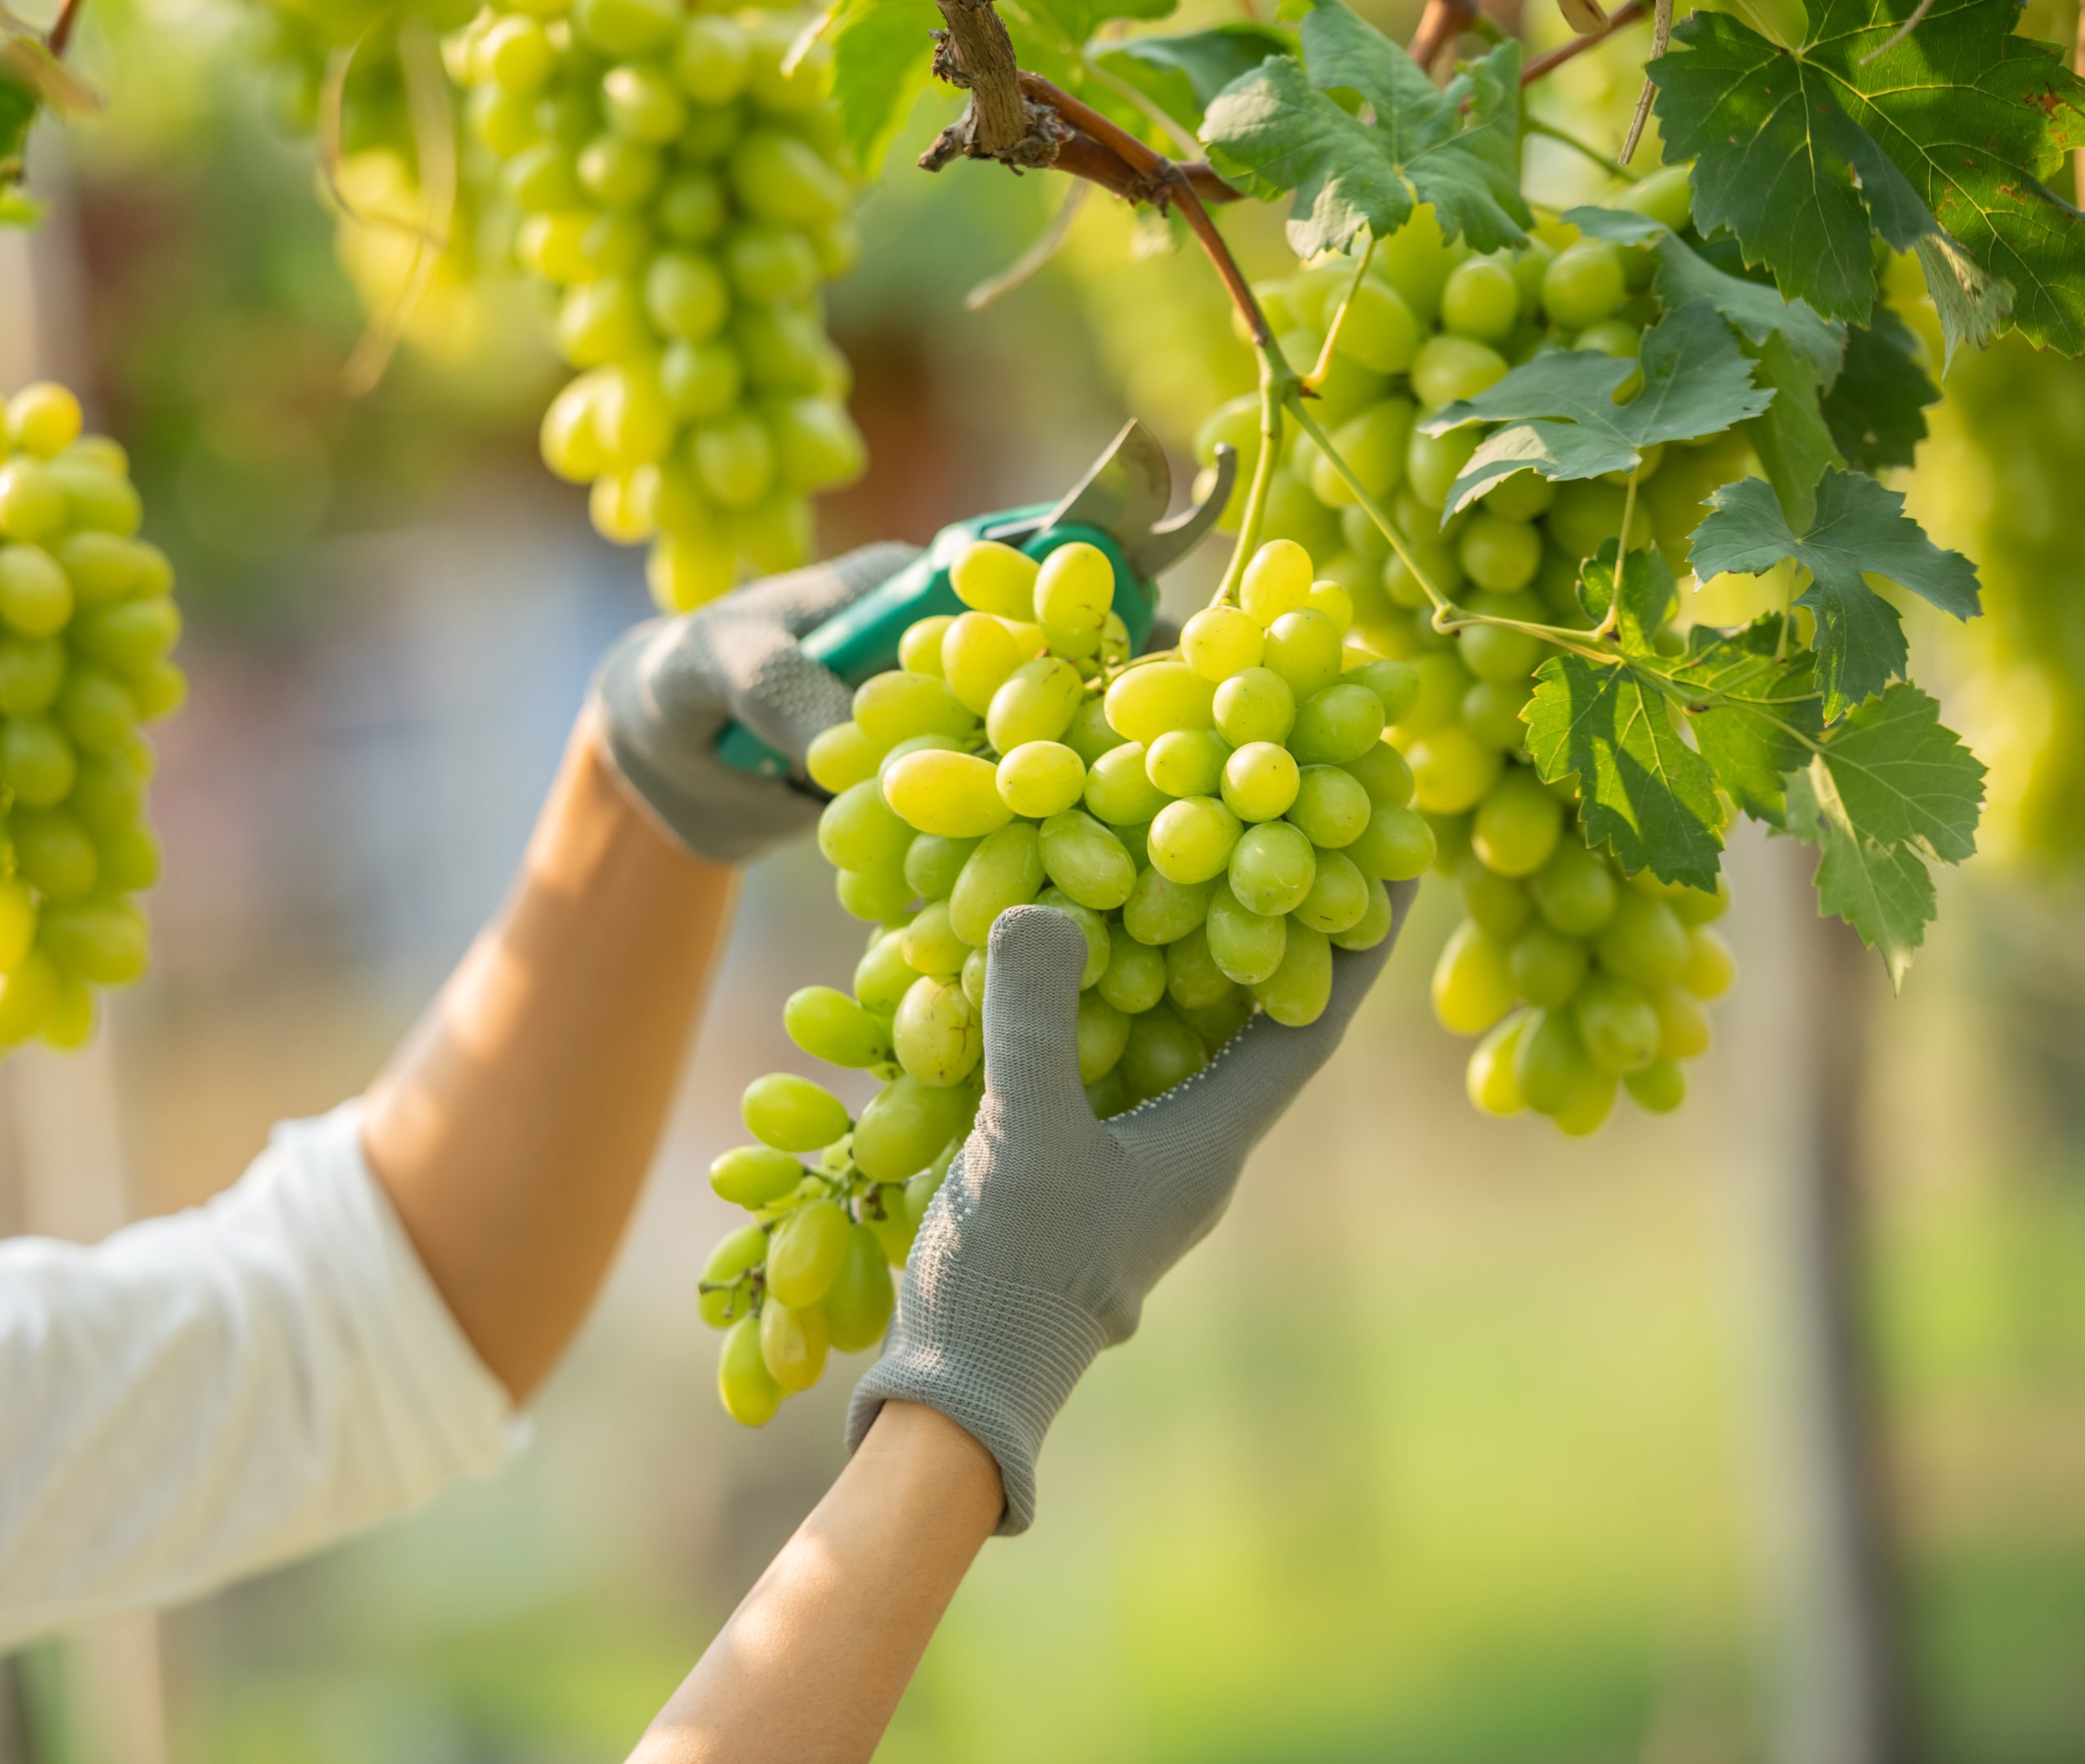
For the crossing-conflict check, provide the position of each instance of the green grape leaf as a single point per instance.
(1280, 129)
(1754, 308)
(32, 81)
(1875, 409)
(1642, 790)
(1648, 593)
(1073, 21)
(1183, 74)
(882, 61)
(1791, 438)
(1943, 143)
(1858, 527)
(1883, 892)
(1754, 710)
(1890, 789)
(1560, 417)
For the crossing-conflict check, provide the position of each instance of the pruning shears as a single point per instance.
(1119, 507)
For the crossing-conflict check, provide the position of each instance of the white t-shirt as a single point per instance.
(209, 1394)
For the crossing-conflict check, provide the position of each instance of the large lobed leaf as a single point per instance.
(1944, 144)
(1281, 129)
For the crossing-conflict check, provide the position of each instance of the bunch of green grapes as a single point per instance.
(1215, 819)
(681, 182)
(1581, 982)
(87, 624)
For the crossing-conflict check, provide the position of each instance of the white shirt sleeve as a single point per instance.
(211, 1393)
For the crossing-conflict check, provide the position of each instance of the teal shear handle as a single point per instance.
(863, 640)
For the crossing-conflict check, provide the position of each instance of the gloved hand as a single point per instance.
(669, 687)
(1051, 1225)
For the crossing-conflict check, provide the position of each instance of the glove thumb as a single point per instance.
(1036, 958)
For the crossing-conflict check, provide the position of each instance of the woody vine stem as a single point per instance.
(1025, 122)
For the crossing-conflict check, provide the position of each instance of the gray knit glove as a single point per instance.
(1051, 1228)
(669, 687)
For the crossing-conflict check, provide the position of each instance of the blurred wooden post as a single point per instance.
(1840, 1686)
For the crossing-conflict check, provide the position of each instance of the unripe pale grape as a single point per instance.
(1074, 593)
(938, 1034)
(1160, 910)
(1375, 923)
(1082, 857)
(1246, 945)
(1616, 1024)
(1187, 762)
(1271, 868)
(1518, 825)
(1191, 839)
(1297, 991)
(1709, 967)
(1218, 642)
(1193, 979)
(749, 1176)
(1145, 702)
(1395, 846)
(1642, 941)
(904, 1124)
(1255, 705)
(1337, 724)
(1304, 649)
(1118, 787)
(1339, 897)
(1451, 772)
(1331, 808)
(1489, 1076)
(829, 1025)
(1005, 871)
(1036, 703)
(1276, 581)
(1382, 772)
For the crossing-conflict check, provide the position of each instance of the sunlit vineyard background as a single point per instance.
(1453, 1445)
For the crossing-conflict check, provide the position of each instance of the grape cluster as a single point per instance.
(679, 179)
(1581, 980)
(1216, 819)
(87, 625)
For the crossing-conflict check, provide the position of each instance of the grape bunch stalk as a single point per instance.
(1216, 819)
(679, 180)
(1580, 981)
(86, 627)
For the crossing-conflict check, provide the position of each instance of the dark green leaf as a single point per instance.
(1755, 309)
(1754, 711)
(1877, 407)
(1790, 435)
(1883, 892)
(1562, 419)
(1279, 129)
(1642, 790)
(882, 60)
(1648, 593)
(1903, 777)
(1859, 526)
(1182, 74)
(1943, 144)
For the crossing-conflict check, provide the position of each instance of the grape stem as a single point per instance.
(1443, 607)
(1276, 379)
(1316, 377)
(1439, 25)
(60, 35)
(1544, 65)
(1612, 619)
(1612, 167)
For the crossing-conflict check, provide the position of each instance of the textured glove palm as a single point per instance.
(668, 689)
(1052, 1225)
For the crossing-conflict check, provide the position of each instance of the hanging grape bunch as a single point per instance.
(88, 624)
(1580, 981)
(681, 183)
(1216, 820)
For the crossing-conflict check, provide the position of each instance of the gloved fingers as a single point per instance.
(1038, 957)
(771, 686)
(1262, 1066)
(803, 599)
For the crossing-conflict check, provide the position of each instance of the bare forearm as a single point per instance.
(811, 1664)
(514, 1130)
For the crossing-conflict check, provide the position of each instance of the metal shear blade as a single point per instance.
(1125, 494)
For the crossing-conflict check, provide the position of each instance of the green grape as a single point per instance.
(1245, 945)
(1496, 902)
(1089, 735)
(1005, 871)
(36, 595)
(1160, 910)
(882, 975)
(806, 1251)
(1396, 845)
(1118, 787)
(1086, 861)
(1276, 581)
(1642, 941)
(1590, 1102)
(1041, 779)
(1147, 701)
(1616, 1024)
(1187, 762)
(1339, 897)
(1134, 980)
(933, 862)
(1379, 333)
(1337, 724)
(1255, 705)
(954, 795)
(103, 941)
(18, 917)
(1491, 712)
(974, 966)
(752, 1176)
(1190, 840)
(792, 1343)
(1450, 771)
(938, 1034)
(1382, 772)
(1584, 284)
(1272, 868)
(905, 1124)
(1480, 299)
(1548, 1063)
(829, 1025)
(723, 1293)
(1710, 968)
(1102, 1032)
(857, 830)
(1498, 555)
(873, 894)
(1298, 991)
(792, 1113)
(1489, 1076)
(1574, 891)
(1547, 967)
(1194, 981)
(994, 578)
(1659, 1087)
(29, 996)
(1683, 1028)
(1449, 367)
(1372, 444)
(747, 1388)
(859, 1303)
(930, 942)
(1218, 642)
(1331, 807)
(1473, 983)
(1074, 594)
(978, 653)
(1375, 922)
(1416, 260)
(1259, 782)
(1304, 649)
(1161, 1051)
(1517, 825)
(1037, 703)
(1432, 464)
(1214, 1025)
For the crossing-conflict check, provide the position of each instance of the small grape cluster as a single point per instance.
(1585, 981)
(1216, 819)
(680, 179)
(86, 626)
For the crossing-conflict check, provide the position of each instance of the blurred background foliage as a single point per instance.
(1452, 1446)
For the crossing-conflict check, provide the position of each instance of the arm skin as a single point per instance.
(514, 1128)
(813, 1662)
